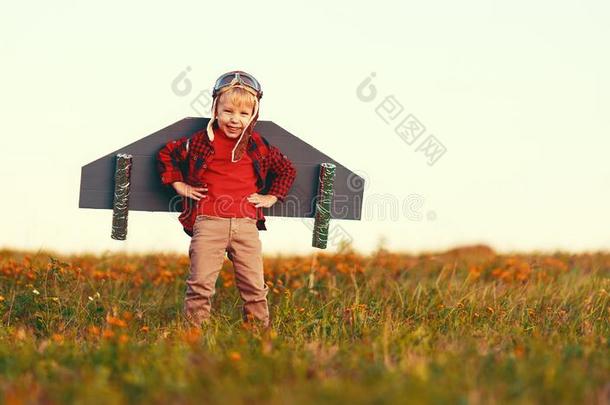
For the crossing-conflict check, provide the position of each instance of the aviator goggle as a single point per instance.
(238, 78)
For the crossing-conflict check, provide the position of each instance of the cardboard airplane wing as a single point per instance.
(148, 194)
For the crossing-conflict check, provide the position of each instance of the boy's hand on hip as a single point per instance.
(262, 200)
(186, 190)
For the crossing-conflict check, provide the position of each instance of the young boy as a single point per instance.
(232, 173)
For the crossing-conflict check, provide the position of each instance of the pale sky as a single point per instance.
(517, 92)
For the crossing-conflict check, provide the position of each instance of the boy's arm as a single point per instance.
(284, 170)
(169, 158)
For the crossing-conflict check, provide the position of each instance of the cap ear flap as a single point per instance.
(254, 117)
(210, 128)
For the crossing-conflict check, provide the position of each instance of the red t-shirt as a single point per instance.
(229, 183)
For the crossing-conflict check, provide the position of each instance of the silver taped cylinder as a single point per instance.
(323, 205)
(120, 205)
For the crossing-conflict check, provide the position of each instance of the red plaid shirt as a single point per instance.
(186, 159)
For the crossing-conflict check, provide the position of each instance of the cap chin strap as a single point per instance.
(244, 130)
(210, 129)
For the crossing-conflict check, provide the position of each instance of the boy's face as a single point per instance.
(232, 119)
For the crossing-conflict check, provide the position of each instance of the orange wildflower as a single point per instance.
(474, 272)
(116, 321)
(94, 330)
(192, 335)
(108, 334)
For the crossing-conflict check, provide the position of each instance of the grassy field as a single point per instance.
(465, 326)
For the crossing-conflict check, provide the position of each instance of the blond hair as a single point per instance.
(238, 97)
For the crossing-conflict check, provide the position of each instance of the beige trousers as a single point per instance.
(212, 238)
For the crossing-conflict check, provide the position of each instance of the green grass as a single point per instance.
(385, 328)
